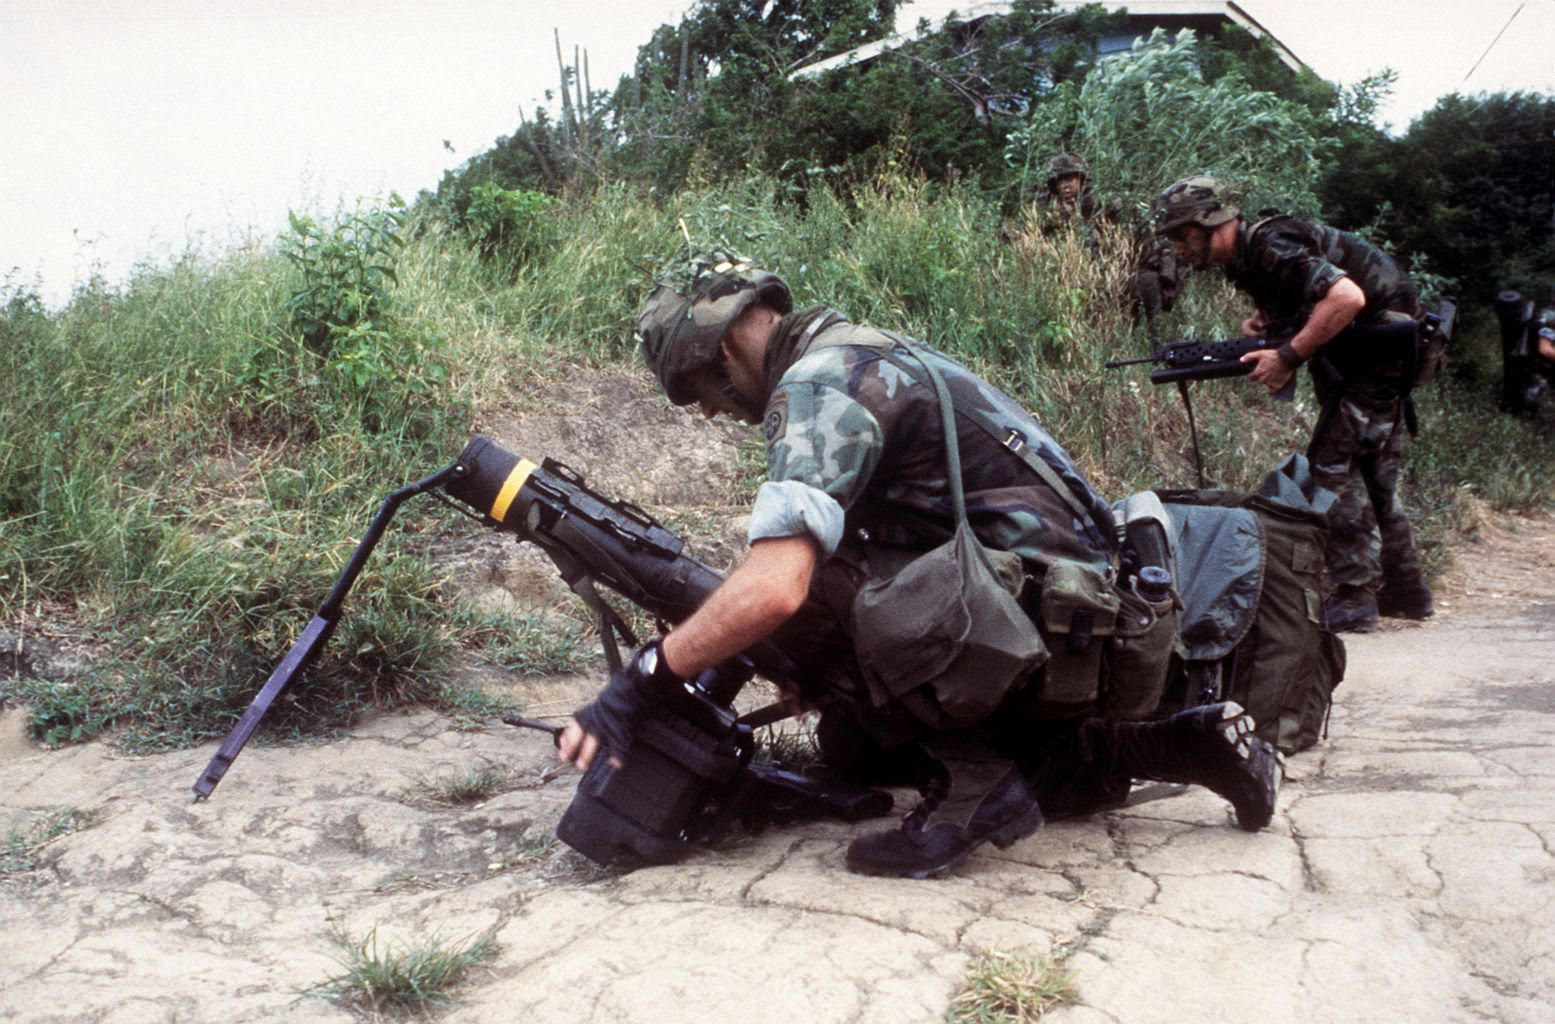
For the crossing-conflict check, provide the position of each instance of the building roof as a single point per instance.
(1142, 17)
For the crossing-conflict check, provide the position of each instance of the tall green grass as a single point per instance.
(183, 477)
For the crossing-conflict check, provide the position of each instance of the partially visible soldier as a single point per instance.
(1316, 281)
(1070, 203)
(1527, 351)
(859, 485)
(1069, 200)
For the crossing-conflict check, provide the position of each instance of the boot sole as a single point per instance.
(1236, 728)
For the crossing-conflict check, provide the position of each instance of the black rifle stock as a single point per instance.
(689, 774)
(1352, 352)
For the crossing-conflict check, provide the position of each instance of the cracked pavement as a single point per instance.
(1407, 876)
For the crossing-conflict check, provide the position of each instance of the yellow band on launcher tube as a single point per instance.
(510, 489)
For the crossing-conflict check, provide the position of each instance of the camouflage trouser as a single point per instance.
(1357, 451)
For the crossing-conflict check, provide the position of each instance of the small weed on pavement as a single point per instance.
(19, 851)
(1002, 989)
(411, 979)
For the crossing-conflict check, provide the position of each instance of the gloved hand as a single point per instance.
(632, 691)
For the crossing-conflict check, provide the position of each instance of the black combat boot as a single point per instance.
(971, 801)
(1350, 609)
(1212, 746)
(1405, 600)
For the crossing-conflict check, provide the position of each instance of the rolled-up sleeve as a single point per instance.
(788, 508)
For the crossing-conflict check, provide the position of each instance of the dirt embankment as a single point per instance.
(1409, 873)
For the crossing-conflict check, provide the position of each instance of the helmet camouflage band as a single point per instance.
(680, 327)
(1066, 163)
(1195, 200)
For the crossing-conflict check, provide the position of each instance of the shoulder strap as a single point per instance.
(947, 417)
(1009, 437)
(889, 344)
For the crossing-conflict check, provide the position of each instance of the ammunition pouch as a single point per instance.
(1077, 614)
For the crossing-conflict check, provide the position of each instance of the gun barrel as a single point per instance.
(1113, 364)
(1200, 371)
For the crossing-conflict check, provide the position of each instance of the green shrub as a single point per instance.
(347, 271)
(1147, 117)
(511, 225)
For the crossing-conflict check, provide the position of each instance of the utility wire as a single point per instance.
(1494, 41)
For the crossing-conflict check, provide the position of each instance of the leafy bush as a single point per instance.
(386, 370)
(1147, 117)
(511, 225)
(346, 271)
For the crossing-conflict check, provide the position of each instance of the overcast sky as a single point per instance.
(133, 129)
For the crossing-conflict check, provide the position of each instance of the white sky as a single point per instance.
(132, 129)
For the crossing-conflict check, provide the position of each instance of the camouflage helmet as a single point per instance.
(1063, 164)
(680, 327)
(1195, 200)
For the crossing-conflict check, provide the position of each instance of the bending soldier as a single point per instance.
(1324, 280)
(858, 484)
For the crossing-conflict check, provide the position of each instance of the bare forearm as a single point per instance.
(756, 599)
(1332, 314)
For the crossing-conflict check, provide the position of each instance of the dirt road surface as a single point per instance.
(1408, 874)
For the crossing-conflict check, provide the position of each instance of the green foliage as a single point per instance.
(347, 271)
(1145, 118)
(1468, 188)
(511, 225)
(1004, 989)
(385, 369)
(191, 519)
(413, 978)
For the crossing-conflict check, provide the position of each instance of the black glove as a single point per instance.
(631, 693)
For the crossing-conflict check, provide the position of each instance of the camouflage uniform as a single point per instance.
(1157, 280)
(856, 458)
(1286, 265)
(1156, 283)
(857, 461)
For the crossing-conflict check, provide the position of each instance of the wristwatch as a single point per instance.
(649, 664)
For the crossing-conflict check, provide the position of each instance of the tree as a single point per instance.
(1478, 200)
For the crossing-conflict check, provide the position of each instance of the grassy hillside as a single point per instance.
(186, 461)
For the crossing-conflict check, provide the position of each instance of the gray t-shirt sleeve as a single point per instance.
(790, 508)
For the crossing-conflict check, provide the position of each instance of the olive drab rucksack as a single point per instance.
(1252, 576)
